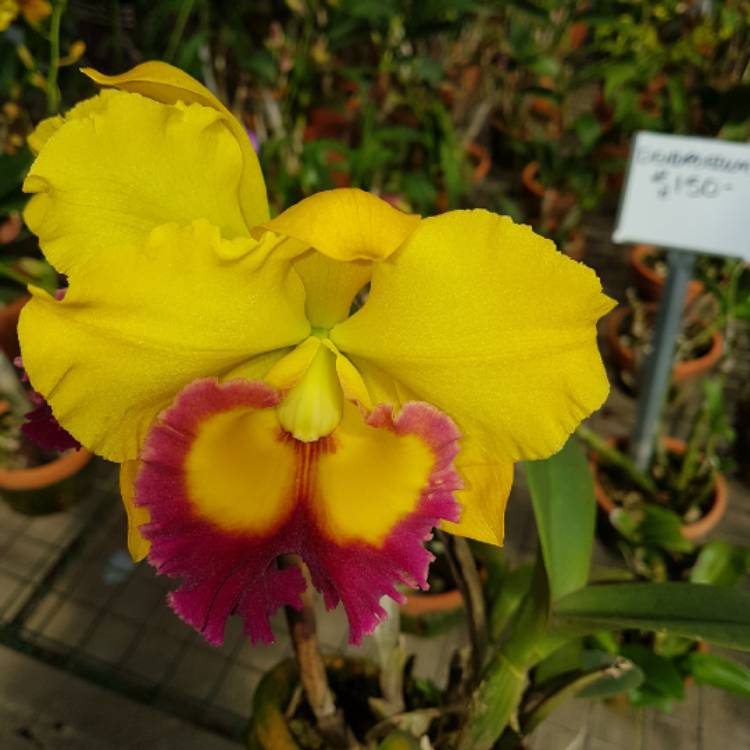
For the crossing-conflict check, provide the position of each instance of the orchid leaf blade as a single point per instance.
(701, 612)
(562, 493)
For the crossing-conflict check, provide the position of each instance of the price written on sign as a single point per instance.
(687, 193)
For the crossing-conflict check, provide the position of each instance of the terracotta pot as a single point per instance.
(49, 488)
(328, 124)
(546, 109)
(625, 357)
(325, 123)
(556, 203)
(577, 33)
(530, 179)
(692, 531)
(270, 720)
(614, 153)
(8, 325)
(426, 614)
(575, 245)
(650, 282)
(481, 160)
(10, 228)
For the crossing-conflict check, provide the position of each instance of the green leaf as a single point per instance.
(12, 170)
(562, 492)
(660, 673)
(269, 700)
(720, 564)
(624, 675)
(545, 66)
(643, 695)
(588, 129)
(493, 704)
(512, 590)
(399, 740)
(727, 674)
(567, 658)
(597, 682)
(710, 613)
(662, 528)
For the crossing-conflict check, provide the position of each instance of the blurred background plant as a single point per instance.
(432, 106)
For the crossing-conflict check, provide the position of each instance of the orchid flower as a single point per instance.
(218, 355)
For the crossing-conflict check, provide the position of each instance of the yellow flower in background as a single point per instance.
(32, 10)
(215, 354)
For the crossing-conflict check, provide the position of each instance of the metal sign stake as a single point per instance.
(658, 370)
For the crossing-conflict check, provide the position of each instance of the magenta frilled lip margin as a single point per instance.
(225, 572)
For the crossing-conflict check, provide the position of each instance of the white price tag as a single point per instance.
(687, 193)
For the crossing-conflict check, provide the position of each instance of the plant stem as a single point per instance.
(303, 633)
(690, 459)
(53, 92)
(464, 569)
(612, 456)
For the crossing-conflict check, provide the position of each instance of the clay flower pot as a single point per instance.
(8, 324)
(575, 245)
(691, 531)
(530, 179)
(328, 124)
(555, 203)
(625, 359)
(650, 282)
(273, 717)
(614, 157)
(48, 488)
(428, 614)
(480, 160)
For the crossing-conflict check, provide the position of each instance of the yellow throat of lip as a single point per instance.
(312, 408)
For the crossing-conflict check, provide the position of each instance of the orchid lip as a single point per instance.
(220, 523)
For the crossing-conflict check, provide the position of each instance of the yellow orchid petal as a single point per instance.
(50, 125)
(43, 132)
(330, 286)
(115, 351)
(288, 371)
(167, 84)
(487, 484)
(487, 321)
(138, 545)
(346, 224)
(120, 166)
(351, 382)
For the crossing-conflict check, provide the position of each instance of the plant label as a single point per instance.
(687, 193)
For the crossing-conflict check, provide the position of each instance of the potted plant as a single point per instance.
(35, 480)
(18, 269)
(649, 266)
(678, 500)
(742, 429)
(629, 330)
(533, 631)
